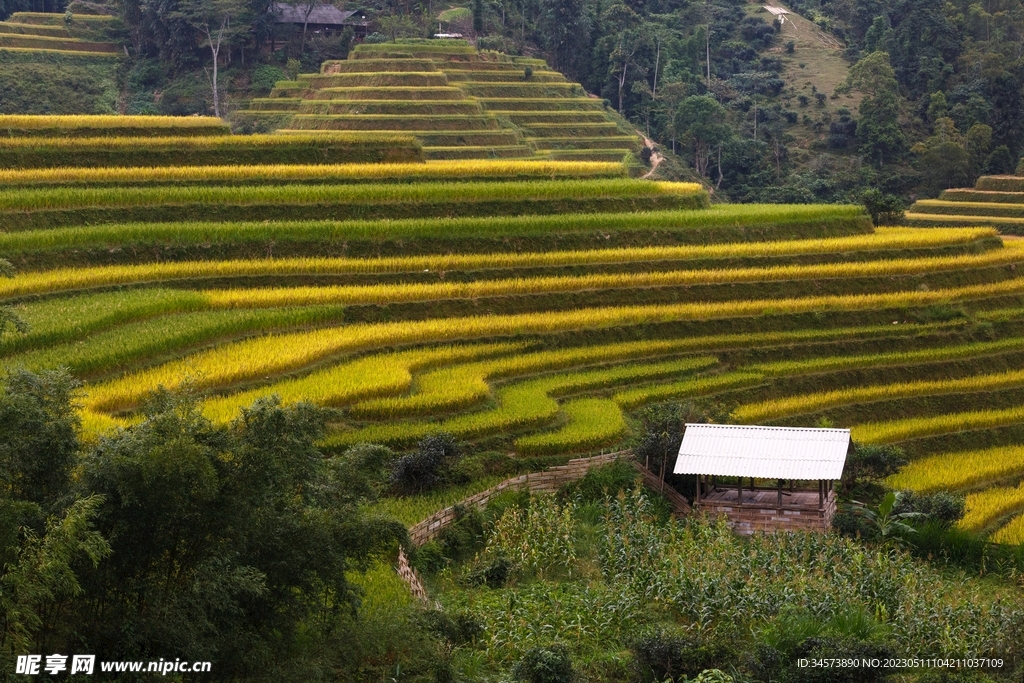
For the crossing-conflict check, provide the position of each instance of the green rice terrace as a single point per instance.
(529, 308)
(458, 102)
(994, 200)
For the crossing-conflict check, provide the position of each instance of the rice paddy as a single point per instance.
(525, 305)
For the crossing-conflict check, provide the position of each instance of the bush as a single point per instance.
(264, 77)
(946, 509)
(545, 665)
(601, 482)
(645, 155)
(790, 47)
(868, 464)
(527, 73)
(427, 467)
(885, 209)
(662, 657)
(375, 38)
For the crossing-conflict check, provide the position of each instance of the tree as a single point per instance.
(943, 158)
(8, 318)
(565, 28)
(878, 128)
(213, 19)
(478, 16)
(396, 26)
(702, 126)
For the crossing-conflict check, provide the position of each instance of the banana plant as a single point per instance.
(888, 523)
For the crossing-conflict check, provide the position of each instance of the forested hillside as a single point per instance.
(763, 105)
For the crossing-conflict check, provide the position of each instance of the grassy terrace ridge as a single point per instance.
(15, 125)
(218, 150)
(994, 200)
(38, 208)
(325, 174)
(718, 224)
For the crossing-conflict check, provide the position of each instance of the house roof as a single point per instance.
(322, 13)
(763, 452)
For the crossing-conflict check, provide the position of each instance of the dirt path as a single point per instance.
(656, 158)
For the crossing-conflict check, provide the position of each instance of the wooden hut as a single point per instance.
(758, 476)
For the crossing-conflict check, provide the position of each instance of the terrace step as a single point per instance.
(393, 93)
(466, 152)
(527, 119)
(502, 77)
(392, 107)
(527, 104)
(401, 78)
(334, 66)
(275, 103)
(627, 144)
(368, 122)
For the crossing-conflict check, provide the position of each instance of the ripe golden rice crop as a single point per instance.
(961, 470)
(592, 422)
(900, 430)
(809, 403)
(77, 278)
(259, 358)
(1012, 533)
(376, 375)
(986, 507)
(477, 169)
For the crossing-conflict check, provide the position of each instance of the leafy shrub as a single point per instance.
(601, 482)
(455, 629)
(868, 464)
(942, 507)
(375, 38)
(264, 77)
(662, 657)
(499, 44)
(527, 73)
(885, 209)
(464, 536)
(790, 47)
(427, 467)
(645, 155)
(494, 574)
(545, 665)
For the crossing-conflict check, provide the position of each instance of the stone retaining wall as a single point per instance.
(548, 481)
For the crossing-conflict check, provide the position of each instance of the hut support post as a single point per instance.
(739, 490)
(821, 495)
(696, 498)
(780, 496)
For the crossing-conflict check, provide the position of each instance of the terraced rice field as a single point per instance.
(459, 103)
(376, 292)
(994, 200)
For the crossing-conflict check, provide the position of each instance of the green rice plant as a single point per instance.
(961, 470)
(519, 406)
(375, 375)
(700, 386)
(55, 321)
(810, 403)
(928, 219)
(34, 30)
(1012, 533)
(56, 19)
(722, 223)
(410, 510)
(960, 195)
(1000, 183)
(592, 422)
(18, 125)
(56, 54)
(23, 208)
(398, 123)
(984, 508)
(77, 278)
(28, 152)
(938, 206)
(326, 174)
(383, 591)
(912, 428)
(463, 385)
(270, 355)
(48, 43)
(119, 348)
(836, 363)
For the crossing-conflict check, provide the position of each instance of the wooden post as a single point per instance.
(739, 491)
(821, 495)
(780, 496)
(696, 498)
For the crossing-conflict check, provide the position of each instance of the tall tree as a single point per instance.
(703, 127)
(218, 21)
(878, 129)
(565, 30)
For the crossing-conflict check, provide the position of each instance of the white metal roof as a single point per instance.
(777, 11)
(763, 452)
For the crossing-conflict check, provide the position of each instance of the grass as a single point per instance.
(985, 508)
(591, 423)
(410, 510)
(1002, 183)
(1012, 533)
(259, 358)
(15, 125)
(810, 403)
(519, 406)
(463, 385)
(717, 224)
(327, 174)
(372, 376)
(912, 428)
(938, 206)
(30, 152)
(960, 470)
